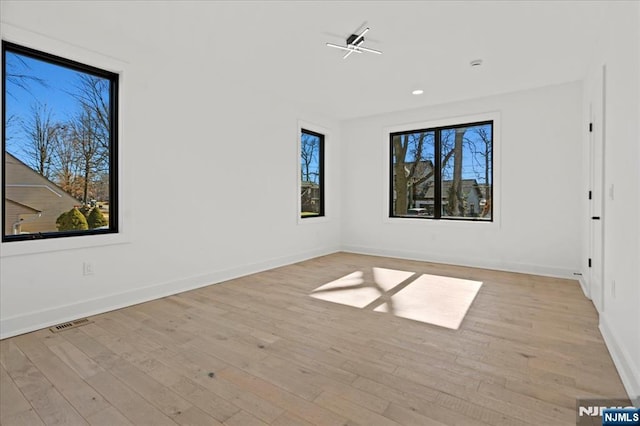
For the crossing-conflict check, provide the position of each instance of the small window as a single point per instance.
(311, 174)
(443, 173)
(59, 165)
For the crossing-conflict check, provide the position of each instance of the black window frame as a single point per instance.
(321, 138)
(113, 78)
(437, 208)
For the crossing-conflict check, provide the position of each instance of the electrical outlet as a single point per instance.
(87, 268)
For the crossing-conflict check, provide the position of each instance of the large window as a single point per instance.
(59, 165)
(311, 174)
(443, 172)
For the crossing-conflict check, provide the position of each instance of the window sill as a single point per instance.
(442, 223)
(22, 248)
(312, 219)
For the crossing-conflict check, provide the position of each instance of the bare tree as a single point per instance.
(67, 164)
(455, 205)
(486, 152)
(41, 135)
(400, 173)
(484, 155)
(91, 135)
(93, 95)
(309, 146)
(11, 121)
(18, 75)
(88, 149)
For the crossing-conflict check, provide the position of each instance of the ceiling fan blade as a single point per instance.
(351, 50)
(338, 47)
(348, 53)
(364, 49)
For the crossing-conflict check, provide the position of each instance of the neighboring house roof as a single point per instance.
(468, 185)
(23, 207)
(28, 192)
(422, 167)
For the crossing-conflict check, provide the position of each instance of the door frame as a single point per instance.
(597, 145)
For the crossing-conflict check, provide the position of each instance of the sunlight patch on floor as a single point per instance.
(354, 291)
(432, 299)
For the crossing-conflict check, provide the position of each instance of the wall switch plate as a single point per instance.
(613, 288)
(88, 268)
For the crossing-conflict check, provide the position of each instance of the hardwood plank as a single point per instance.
(194, 416)
(82, 396)
(129, 403)
(409, 417)
(244, 419)
(48, 403)
(108, 417)
(77, 360)
(290, 402)
(23, 418)
(210, 380)
(352, 411)
(412, 400)
(288, 419)
(15, 408)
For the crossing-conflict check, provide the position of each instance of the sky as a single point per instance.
(56, 92)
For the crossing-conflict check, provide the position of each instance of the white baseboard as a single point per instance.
(628, 371)
(32, 321)
(584, 287)
(474, 263)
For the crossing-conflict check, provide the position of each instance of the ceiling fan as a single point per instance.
(354, 44)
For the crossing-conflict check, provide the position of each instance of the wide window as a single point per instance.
(311, 174)
(443, 172)
(59, 165)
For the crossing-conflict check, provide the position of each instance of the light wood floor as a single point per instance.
(258, 350)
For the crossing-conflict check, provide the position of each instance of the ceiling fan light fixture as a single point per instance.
(354, 44)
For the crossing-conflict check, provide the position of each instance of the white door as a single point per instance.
(596, 176)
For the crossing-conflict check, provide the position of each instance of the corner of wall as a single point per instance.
(584, 286)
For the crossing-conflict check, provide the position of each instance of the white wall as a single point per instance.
(537, 179)
(209, 173)
(619, 50)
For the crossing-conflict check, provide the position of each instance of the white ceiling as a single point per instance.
(278, 47)
(427, 45)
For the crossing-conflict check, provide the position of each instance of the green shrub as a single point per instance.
(71, 221)
(85, 210)
(96, 219)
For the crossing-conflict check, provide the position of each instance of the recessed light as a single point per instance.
(417, 92)
(476, 62)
